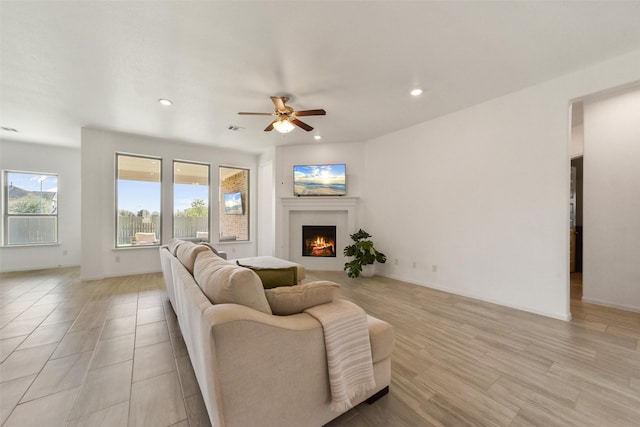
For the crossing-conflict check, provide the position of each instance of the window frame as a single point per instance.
(6, 215)
(173, 201)
(117, 207)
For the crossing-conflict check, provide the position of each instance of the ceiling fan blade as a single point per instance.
(257, 114)
(270, 127)
(303, 125)
(319, 112)
(279, 103)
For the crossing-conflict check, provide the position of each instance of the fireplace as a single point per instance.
(319, 240)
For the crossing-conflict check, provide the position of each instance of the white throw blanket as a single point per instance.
(346, 336)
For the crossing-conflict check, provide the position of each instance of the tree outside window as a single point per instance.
(190, 200)
(31, 208)
(138, 200)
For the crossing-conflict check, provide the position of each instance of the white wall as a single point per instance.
(267, 204)
(483, 194)
(266, 213)
(477, 200)
(352, 154)
(611, 260)
(99, 258)
(577, 141)
(66, 163)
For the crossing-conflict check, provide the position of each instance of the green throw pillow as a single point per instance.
(274, 277)
(295, 299)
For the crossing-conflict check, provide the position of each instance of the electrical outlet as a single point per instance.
(434, 268)
(395, 261)
(117, 258)
(413, 264)
(65, 252)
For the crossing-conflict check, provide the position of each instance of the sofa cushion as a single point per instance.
(221, 254)
(226, 283)
(274, 277)
(295, 299)
(187, 252)
(173, 244)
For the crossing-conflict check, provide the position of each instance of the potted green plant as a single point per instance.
(364, 254)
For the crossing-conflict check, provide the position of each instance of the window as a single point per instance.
(31, 208)
(234, 204)
(190, 201)
(138, 200)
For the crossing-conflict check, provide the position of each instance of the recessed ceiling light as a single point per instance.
(416, 92)
(317, 137)
(165, 102)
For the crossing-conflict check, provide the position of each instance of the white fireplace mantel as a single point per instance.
(317, 204)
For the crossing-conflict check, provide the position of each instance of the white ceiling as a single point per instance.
(65, 65)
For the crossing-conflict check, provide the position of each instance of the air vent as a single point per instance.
(9, 129)
(235, 128)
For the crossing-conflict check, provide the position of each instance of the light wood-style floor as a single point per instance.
(109, 353)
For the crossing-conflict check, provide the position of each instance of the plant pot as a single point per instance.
(368, 270)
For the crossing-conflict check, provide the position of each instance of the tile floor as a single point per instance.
(109, 353)
(99, 353)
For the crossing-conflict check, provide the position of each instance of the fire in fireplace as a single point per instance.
(319, 240)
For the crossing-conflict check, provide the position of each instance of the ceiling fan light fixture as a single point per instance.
(416, 92)
(283, 126)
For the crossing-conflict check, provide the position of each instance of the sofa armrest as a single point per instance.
(284, 355)
(266, 362)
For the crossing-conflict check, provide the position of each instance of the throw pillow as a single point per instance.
(223, 282)
(274, 277)
(295, 299)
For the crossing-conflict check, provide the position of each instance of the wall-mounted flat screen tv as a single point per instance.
(320, 180)
(233, 203)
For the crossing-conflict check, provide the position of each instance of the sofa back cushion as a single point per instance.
(187, 253)
(223, 282)
(221, 254)
(173, 244)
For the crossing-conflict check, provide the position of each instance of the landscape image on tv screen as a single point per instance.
(320, 180)
(233, 203)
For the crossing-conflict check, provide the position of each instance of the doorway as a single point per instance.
(576, 229)
(575, 201)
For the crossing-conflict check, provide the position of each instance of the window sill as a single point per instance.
(128, 248)
(30, 245)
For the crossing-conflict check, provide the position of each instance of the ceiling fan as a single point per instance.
(286, 117)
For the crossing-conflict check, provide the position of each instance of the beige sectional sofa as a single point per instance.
(256, 368)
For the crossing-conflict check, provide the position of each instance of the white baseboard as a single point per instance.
(560, 316)
(610, 304)
(36, 268)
